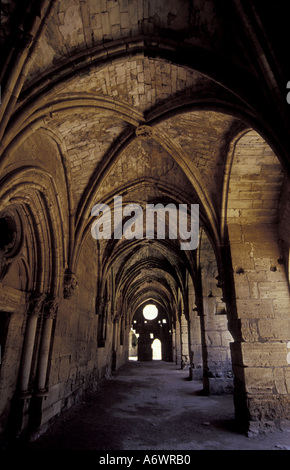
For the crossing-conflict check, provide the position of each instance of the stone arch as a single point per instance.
(149, 330)
(29, 195)
(88, 79)
(20, 186)
(260, 323)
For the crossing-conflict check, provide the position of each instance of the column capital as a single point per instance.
(51, 307)
(35, 304)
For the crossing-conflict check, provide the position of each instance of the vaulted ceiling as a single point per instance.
(138, 99)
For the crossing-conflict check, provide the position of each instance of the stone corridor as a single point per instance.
(153, 406)
(144, 163)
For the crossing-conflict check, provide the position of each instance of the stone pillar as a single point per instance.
(34, 311)
(35, 306)
(196, 368)
(173, 342)
(116, 322)
(49, 316)
(261, 327)
(177, 341)
(144, 347)
(217, 342)
(37, 407)
(194, 335)
(184, 340)
(100, 306)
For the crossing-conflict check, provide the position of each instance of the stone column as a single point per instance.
(50, 311)
(177, 341)
(34, 311)
(173, 335)
(22, 408)
(196, 369)
(184, 338)
(115, 342)
(144, 347)
(105, 320)
(100, 305)
(217, 339)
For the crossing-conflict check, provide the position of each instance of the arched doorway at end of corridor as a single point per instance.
(150, 336)
(156, 350)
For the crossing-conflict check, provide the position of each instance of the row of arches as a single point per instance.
(133, 270)
(92, 124)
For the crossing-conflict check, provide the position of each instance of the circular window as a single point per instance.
(150, 312)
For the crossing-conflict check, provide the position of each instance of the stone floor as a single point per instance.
(153, 406)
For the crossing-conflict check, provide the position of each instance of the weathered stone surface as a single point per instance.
(152, 102)
(261, 354)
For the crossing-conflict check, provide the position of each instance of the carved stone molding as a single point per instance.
(35, 304)
(50, 307)
(144, 131)
(70, 284)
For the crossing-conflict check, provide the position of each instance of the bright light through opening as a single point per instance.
(150, 312)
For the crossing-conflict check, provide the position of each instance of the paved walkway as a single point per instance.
(153, 406)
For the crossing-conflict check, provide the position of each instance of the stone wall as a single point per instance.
(260, 325)
(158, 101)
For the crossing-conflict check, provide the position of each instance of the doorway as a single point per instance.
(156, 350)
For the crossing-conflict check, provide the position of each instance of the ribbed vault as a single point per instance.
(144, 102)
